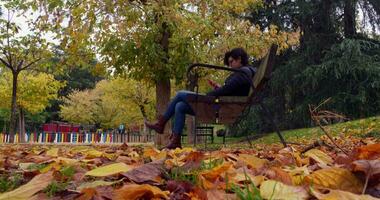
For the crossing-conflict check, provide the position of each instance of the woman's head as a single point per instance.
(236, 58)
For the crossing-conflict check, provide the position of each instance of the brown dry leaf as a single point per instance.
(220, 194)
(271, 189)
(369, 152)
(87, 194)
(252, 161)
(207, 178)
(370, 167)
(335, 178)
(193, 160)
(149, 173)
(135, 192)
(319, 156)
(341, 195)
(278, 174)
(26, 191)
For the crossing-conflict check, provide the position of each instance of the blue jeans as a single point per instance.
(179, 107)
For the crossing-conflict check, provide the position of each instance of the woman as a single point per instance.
(237, 84)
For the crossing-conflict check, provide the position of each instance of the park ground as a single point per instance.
(347, 168)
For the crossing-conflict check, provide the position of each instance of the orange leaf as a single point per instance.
(135, 192)
(369, 152)
(207, 178)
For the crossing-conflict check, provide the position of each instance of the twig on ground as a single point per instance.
(317, 116)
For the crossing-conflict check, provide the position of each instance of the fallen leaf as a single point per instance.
(149, 173)
(220, 194)
(340, 195)
(26, 191)
(319, 156)
(278, 174)
(153, 153)
(135, 192)
(369, 152)
(97, 183)
(370, 167)
(297, 173)
(111, 169)
(335, 178)
(207, 178)
(252, 161)
(271, 189)
(53, 152)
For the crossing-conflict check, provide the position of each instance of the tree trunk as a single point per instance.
(162, 100)
(22, 125)
(163, 84)
(349, 18)
(13, 121)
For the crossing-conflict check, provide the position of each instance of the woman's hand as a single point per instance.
(213, 84)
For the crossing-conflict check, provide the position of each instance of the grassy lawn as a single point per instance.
(368, 127)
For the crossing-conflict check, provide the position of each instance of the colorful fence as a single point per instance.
(85, 138)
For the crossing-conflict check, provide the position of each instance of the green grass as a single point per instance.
(368, 127)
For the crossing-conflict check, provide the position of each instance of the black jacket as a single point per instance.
(237, 84)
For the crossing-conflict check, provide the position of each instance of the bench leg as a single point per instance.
(269, 116)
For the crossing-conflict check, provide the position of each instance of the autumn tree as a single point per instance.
(18, 52)
(156, 40)
(35, 92)
(110, 103)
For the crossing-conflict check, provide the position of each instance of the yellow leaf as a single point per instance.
(96, 184)
(53, 152)
(92, 153)
(111, 169)
(66, 161)
(298, 174)
(271, 189)
(50, 166)
(244, 177)
(134, 192)
(319, 156)
(252, 161)
(26, 191)
(335, 178)
(339, 194)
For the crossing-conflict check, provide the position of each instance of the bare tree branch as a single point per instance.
(6, 64)
(30, 64)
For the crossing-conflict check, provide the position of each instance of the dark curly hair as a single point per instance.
(236, 53)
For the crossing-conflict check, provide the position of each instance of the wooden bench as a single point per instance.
(229, 109)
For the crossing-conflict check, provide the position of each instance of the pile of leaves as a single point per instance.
(143, 172)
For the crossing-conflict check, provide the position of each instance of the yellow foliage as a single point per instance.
(34, 92)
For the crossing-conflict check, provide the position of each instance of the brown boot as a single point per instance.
(175, 141)
(158, 126)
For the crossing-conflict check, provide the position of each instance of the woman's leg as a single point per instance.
(179, 97)
(181, 109)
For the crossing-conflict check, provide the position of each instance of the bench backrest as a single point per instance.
(264, 71)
